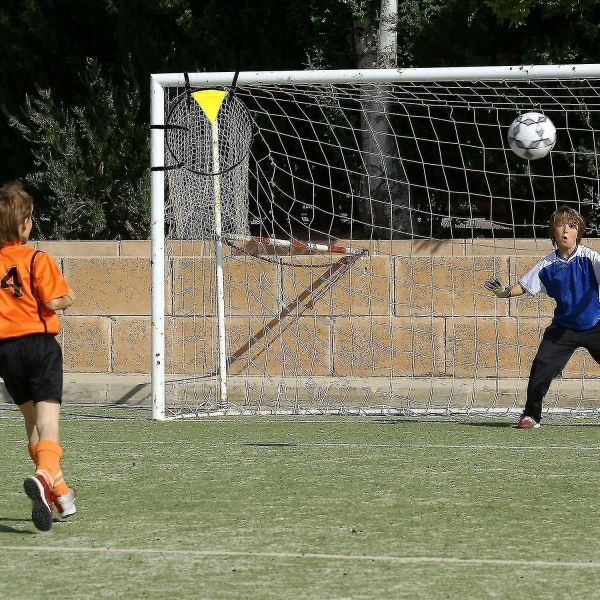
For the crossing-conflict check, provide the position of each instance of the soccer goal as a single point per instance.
(320, 239)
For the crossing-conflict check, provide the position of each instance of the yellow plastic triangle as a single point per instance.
(210, 102)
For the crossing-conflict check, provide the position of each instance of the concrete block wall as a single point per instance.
(458, 331)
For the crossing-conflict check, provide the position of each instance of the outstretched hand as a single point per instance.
(493, 284)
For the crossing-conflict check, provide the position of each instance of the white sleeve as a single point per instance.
(530, 282)
(595, 258)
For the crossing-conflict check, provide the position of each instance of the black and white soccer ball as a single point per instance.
(532, 135)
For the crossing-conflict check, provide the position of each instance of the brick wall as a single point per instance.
(107, 331)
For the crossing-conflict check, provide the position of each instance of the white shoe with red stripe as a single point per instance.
(65, 504)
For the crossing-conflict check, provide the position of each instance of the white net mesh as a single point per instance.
(360, 221)
(202, 178)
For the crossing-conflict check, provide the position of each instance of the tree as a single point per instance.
(384, 200)
(46, 44)
(383, 203)
(68, 115)
(91, 162)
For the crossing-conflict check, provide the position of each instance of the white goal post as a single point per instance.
(320, 239)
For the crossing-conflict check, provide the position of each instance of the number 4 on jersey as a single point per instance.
(11, 281)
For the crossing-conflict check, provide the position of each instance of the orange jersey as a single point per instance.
(28, 279)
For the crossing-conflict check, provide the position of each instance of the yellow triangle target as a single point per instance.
(210, 102)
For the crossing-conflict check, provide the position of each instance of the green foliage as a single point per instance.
(330, 43)
(514, 12)
(44, 43)
(81, 136)
(414, 18)
(552, 31)
(517, 12)
(91, 173)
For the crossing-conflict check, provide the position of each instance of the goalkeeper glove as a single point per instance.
(497, 287)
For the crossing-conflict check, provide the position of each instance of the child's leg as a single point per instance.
(30, 414)
(592, 342)
(48, 451)
(556, 348)
(48, 448)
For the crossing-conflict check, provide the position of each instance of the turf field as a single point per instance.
(308, 508)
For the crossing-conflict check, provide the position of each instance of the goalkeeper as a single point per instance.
(570, 275)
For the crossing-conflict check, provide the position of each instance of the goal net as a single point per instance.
(320, 239)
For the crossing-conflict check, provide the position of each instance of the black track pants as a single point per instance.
(556, 348)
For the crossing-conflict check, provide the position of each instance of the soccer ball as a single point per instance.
(532, 135)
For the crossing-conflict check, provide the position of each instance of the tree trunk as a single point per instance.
(384, 204)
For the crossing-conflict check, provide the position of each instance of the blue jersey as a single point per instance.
(573, 283)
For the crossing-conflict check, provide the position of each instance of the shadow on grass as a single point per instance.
(4, 528)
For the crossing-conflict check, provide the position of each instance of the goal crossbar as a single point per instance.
(491, 73)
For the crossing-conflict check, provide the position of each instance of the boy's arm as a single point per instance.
(62, 302)
(493, 284)
(50, 284)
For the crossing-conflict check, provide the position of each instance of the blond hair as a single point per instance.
(16, 205)
(571, 216)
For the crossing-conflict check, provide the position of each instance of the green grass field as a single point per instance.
(324, 508)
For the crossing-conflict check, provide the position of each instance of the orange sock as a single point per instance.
(60, 485)
(49, 454)
(32, 448)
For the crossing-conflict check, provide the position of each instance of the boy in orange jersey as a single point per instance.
(31, 289)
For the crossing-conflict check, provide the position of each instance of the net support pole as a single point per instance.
(157, 191)
(210, 101)
(219, 267)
